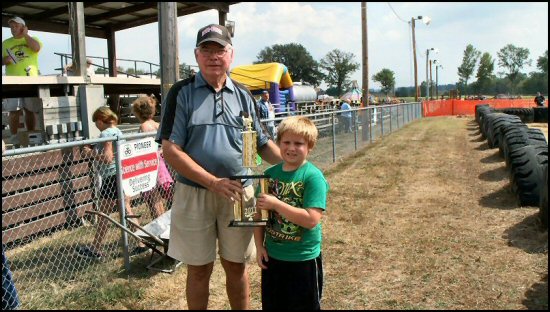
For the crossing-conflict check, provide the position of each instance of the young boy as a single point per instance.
(289, 246)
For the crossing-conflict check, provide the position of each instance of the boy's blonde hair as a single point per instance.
(144, 108)
(299, 125)
(106, 115)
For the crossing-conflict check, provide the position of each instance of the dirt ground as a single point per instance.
(422, 218)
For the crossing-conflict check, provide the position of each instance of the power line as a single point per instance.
(404, 21)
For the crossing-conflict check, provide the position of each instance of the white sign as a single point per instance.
(139, 166)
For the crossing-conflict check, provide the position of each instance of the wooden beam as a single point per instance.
(57, 26)
(119, 12)
(220, 6)
(58, 11)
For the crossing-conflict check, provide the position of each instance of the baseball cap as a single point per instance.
(265, 92)
(215, 33)
(17, 19)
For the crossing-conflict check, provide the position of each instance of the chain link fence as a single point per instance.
(53, 245)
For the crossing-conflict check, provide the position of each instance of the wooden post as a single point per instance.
(168, 34)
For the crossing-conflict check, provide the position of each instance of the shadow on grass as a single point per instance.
(501, 199)
(497, 174)
(479, 139)
(493, 158)
(527, 235)
(536, 297)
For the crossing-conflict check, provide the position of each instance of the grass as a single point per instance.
(416, 220)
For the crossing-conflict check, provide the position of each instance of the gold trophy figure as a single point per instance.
(244, 208)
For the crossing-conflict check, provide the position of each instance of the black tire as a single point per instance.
(494, 128)
(480, 107)
(526, 114)
(526, 174)
(543, 206)
(486, 121)
(482, 112)
(540, 114)
(502, 133)
(519, 138)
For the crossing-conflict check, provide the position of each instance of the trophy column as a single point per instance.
(244, 208)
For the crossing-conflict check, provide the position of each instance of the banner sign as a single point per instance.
(139, 166)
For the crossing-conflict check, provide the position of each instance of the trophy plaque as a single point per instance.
(244, 208)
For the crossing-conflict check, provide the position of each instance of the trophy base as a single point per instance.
(247, 223)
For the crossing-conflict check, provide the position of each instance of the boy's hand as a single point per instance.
(266, 202)
(261, 257)
(86, 150)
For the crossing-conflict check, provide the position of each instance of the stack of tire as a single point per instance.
(524, 149)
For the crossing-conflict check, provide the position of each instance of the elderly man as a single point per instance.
(20, 56)
(200, 131)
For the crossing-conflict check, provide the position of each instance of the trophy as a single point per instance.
(244, 208)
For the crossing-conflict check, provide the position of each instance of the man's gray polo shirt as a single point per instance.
(207, 125)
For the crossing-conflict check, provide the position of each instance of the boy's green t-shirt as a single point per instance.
(304, 187)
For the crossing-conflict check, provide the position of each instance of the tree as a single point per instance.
(485, 73)
(469, 60)
(513, 59)
(338, 66)
(542, 62)
(296, 58)
(386, 78)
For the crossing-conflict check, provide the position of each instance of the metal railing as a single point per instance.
(47, 189)
(64, 61)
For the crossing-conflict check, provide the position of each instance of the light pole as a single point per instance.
(436, 78)
(431, 80)
(427, 81)
(426, 21)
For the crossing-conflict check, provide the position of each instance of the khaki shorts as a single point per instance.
(199, 218)
(15, 104)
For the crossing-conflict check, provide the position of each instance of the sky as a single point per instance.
(323, 26)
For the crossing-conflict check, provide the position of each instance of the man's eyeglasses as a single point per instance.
(211, 52)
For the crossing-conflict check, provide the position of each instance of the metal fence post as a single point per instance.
(382, 120)
(333, 115)
(355, 127)
(122, 202)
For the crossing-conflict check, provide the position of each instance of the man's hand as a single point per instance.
(6, 60)
(230, 189)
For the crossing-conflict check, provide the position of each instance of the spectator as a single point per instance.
(70, 69)
(20, 56)
(106, 121)
(267, 111)
(289, 246)
(539, 99)
(346, 115)
(10, 299)
(145, 108)
(201, 138)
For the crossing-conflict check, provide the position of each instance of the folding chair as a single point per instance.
(154, 235)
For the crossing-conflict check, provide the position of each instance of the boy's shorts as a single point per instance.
(15, 104)
(199, 218)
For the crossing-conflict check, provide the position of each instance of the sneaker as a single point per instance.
(88, 253)
(139, 250)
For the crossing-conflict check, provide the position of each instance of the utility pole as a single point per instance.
(431, 84)
(415, 65)
(365, 85)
